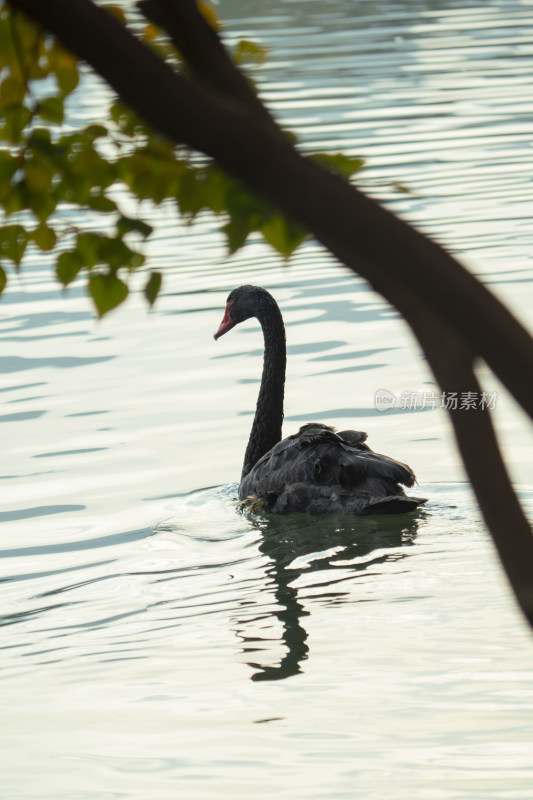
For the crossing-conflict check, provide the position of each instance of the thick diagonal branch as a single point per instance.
(206, 57)
(453, 367)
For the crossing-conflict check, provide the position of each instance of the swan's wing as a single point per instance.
(317, 431)
(353, 437)
(321, 460)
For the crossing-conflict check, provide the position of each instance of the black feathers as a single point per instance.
(320, 471)
(317, 470)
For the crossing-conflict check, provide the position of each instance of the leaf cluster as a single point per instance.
(48, 173)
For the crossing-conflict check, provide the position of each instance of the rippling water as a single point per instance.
(157, 642)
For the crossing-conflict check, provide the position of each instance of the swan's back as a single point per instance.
(317, 470)
(320, 471)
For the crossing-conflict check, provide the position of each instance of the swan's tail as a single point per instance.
(396, 504)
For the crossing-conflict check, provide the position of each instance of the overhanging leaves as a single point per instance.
(153, 286)
(13, 241)
(107, 292)
(68, 266)
(42, 171)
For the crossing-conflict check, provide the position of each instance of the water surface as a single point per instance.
(156, 641)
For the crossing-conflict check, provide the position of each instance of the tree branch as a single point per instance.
(452, 366)
(206, 56)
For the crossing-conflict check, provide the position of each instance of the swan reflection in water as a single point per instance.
(279, 567)
(298, 545)
(335, 482)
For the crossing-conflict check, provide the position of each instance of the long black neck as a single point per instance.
(266, 430)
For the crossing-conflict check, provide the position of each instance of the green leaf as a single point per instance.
(117, 12)
(8, 167)
(63, 63)
(3, 280)
(12, 92)
(236, 230)
(28, 44)
(93, 132)
(65, 67)
(339, 163)
(89, 167)
(100, 202)
(117, 254)
(107, 292)
(209, 14)
(38, 175)
(42, 203)
(13, 241)
(67, 80)
(89, 246)
(68, 266)
(128, 122)
(127, 225)
(193, 193)
(51, 109)
(40, 163)
(44, 237)
(136, 260)
(219, 186)
(283, 235)
(250, 52)
(40, 143)
(40, 137)
(153, 285)
(14, 120)
(246, 214)
(150, 31)
(8, 56)
(16, 199)
(152, 173)
(76, 188)
(94, 248)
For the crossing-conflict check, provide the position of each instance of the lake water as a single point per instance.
(158, 644)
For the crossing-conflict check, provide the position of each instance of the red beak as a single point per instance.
(226, 325)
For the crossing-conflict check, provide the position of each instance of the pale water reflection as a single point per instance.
(156, 642)
(295, 545)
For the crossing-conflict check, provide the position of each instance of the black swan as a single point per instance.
(317, 470)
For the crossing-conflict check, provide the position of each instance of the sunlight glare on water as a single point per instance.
(158, 641)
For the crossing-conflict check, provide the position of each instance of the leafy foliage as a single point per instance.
(47, 173)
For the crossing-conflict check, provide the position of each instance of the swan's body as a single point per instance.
(316, 470)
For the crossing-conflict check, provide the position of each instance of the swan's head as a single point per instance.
(243, 303)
